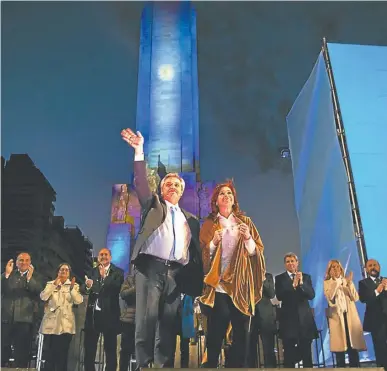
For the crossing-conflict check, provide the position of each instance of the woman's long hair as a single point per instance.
(214, 198)
(328, 271)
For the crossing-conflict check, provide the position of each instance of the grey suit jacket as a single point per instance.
(154, 211)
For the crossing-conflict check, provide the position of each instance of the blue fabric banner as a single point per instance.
(321, 190)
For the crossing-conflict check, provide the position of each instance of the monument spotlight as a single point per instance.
(166, 72)
(285, 152)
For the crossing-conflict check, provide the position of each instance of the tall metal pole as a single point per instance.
(344, 151)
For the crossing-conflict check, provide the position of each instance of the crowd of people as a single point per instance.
(178, 268)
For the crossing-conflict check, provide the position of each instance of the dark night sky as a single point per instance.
(69, 80)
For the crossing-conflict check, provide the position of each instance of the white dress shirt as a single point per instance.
(230, 237)
(160, 242)
(107, 269)
(291, 275)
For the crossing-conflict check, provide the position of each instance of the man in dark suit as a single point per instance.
(167, 258)
(103, 310)
(20, 289)
(297, 327)
(373, 292)
(263, 324)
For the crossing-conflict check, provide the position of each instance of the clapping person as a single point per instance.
(235, 269)
(103, 310)
(20, 289)
(297, 327)
(346, 331)
(58, 323)
(373, 292)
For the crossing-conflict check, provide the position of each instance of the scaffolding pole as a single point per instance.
(347, 164)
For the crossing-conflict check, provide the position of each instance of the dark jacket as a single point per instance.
(295, 316)
(107, 292)
(154, 211)
(19, 298)
(264, 310)
(128, 300)
(376, 306)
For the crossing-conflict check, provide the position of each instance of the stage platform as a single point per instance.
(268, 369)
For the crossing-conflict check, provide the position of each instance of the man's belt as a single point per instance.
(168, 263)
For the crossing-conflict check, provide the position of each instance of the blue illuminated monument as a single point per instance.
(167, 116)
(337, 131)
(167, 100)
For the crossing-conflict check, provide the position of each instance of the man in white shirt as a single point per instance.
(373, 292)
(167, 258)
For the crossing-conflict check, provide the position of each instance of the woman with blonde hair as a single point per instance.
(234, 269)
(58, 323)
(346, 331)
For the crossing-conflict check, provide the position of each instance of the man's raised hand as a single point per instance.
(136, 141)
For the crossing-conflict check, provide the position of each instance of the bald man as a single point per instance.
(20, 289)
(373, 292)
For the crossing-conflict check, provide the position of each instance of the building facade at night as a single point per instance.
(29, 224)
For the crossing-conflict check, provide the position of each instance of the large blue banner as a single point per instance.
(321, 189)
(360, 74)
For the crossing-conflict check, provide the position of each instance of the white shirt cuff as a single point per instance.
(139, 157)
(377, 293)
(250, 246)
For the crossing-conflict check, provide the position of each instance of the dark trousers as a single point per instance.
(184, 353)
(353, 354)
(18, 335)
(58, 350)
(127, 344)
(296, 350)
(379, 339)
(91, 342)
(223, 312)
(267, 338)
(184, 342)
(157, 303)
